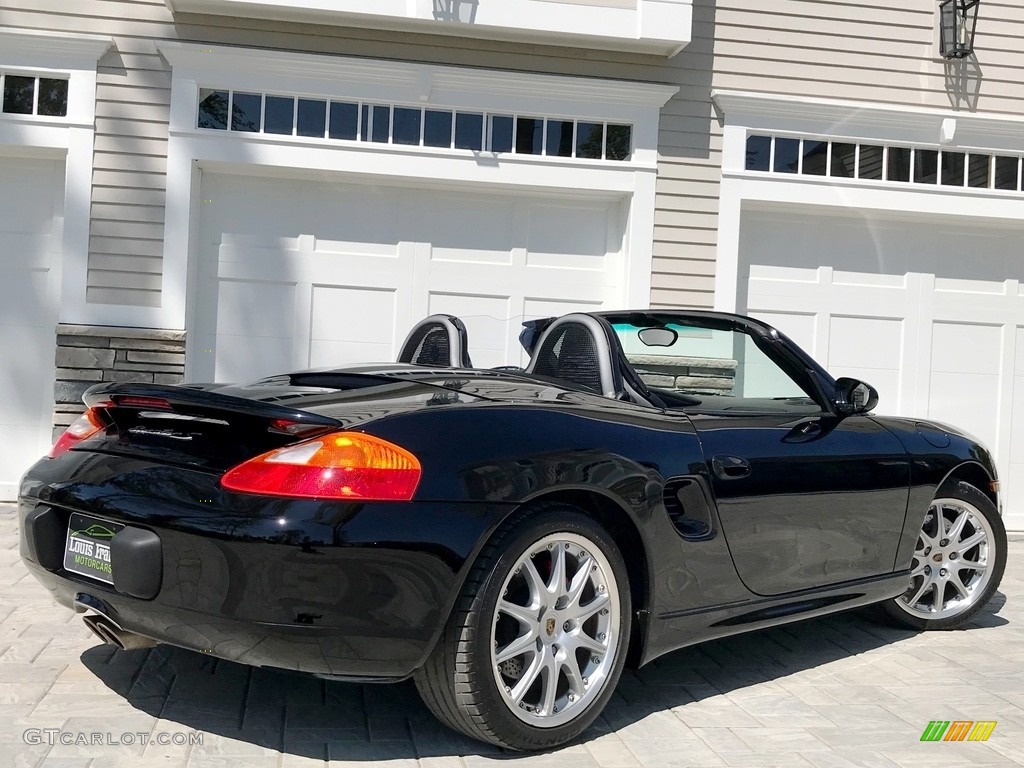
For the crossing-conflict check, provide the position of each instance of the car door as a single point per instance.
(805, 497)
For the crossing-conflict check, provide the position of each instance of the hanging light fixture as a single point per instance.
(957, 19)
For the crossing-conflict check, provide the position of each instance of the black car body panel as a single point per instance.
(826, 518)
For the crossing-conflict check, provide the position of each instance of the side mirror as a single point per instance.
(853, 396)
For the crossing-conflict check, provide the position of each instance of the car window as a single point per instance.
(711, 369)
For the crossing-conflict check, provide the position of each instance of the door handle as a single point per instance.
(730, 467)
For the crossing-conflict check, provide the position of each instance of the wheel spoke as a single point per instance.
(534, 582)
(556, 584)
(519, 646)
(973, 540)
(524, 614)
(958, 526)
(573, 675)
(549, 685)
(971, 565)
(954, 579)
(919, 570)
(585, 641)
(937, 596)
(579, 582)
(584, 612)
(528, 678)
(920, 593)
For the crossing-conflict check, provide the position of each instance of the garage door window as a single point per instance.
(284, 115)
(27, 95)
(846, 159)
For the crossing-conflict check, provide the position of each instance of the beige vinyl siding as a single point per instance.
(882, 51)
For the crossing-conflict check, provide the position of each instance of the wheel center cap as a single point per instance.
(937, 557)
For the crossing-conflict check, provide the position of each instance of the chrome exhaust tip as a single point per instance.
(111, 634)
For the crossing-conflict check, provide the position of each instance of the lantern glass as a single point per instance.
(957, 20)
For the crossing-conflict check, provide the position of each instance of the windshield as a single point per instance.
(716, 369)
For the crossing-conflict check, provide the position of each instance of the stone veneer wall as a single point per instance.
(88, 354)
(704, 374)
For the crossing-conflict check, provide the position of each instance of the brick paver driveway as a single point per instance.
(839, 691)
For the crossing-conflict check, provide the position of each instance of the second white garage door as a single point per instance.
(295, 273)
(929, 312)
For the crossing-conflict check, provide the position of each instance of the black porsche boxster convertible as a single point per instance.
(510, 538)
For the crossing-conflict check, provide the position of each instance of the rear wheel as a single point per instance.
(537, 641)
(958, 561)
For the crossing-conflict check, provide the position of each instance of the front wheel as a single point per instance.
(958, 561)
(537, 641)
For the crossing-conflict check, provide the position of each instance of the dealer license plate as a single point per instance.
(88, 547)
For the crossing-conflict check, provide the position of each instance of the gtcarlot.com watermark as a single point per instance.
(52, 736)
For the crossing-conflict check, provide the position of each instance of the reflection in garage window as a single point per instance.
(245, 112)
(978, 170)
(19, 93)
(815, 157)
(953, 168)
(501, 133)
(589, 140)
(898, 167)
(1006, 175)
(53, 97)
(759, 153)
(619, 142)
(870, 162)
(844, 160)
(213, 109)
(926, 166)
(406, 127)
(469, 131)
(559, 138)
(280, 115)
(529, 136)
(437, 129)
(311, 119)
(380, 124)
(787, 155)
(344, 120)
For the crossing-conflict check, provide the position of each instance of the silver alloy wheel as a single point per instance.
(953, 561)
(554, 636)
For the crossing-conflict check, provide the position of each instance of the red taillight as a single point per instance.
(133, 401)
(341, 465)
(84, 427)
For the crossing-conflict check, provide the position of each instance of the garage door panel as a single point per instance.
(429, 250)
(486, 319)
(959, 347)
(350, 325)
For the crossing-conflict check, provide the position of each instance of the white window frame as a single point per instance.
(191, 149)
(69, 138)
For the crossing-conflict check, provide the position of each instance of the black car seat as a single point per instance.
(438, 341)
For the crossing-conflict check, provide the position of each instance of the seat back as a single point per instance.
(579, 348)
(438, 341)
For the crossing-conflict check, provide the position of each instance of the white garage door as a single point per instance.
(31, 204)
(295, 274)
(929, 312)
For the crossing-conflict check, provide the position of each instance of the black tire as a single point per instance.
(950, 501)
(459, 682)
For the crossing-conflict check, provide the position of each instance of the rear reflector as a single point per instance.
(134, 401)
(340, 465)
(84, 427)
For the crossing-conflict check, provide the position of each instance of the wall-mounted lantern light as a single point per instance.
(957, 19)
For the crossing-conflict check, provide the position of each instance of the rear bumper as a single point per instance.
(357, 591)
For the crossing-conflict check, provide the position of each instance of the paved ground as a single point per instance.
(837, 692)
